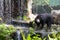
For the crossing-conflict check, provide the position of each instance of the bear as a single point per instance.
(43, 19)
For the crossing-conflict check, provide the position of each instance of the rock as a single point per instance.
(56, 15)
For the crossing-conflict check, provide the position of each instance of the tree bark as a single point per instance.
(29, 10)
(7, 11)
(29, 7)
(1, 9)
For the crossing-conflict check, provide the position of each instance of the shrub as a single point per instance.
(30, 35)
(5, 31)
(33, 36)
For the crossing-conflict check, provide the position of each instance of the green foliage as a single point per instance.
(29, 35)
(53, 36)
(25, 18)
(40, 2)
(36, 37)
(0, 18)
(5, 31)
(33, 25)
(31, 30)
(58, 35)
(46, 2)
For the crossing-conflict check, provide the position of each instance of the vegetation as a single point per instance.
(34, 36)
(0, 18)
(46, 2)
(25, 18)
(7, 12)
(5, 31)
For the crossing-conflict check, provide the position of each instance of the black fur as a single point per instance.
(44, 19)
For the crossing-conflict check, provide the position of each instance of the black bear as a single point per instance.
(44, 19)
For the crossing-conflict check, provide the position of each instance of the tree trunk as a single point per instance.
(29, 7)
(7, 11)
(1, 9)
(29, 10)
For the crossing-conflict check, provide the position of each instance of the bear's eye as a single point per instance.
(38, 20)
